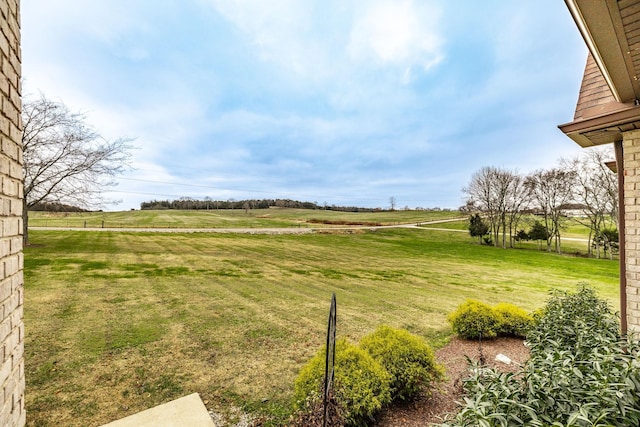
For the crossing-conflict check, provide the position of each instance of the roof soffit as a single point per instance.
(606, 33)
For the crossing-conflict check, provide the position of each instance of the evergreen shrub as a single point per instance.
(361, 384)
(513, 320)
(474, 319)
(408, 358)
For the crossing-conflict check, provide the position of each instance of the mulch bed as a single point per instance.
(433, 409)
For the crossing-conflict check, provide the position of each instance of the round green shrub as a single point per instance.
(514, 321)
(474, 319)
(408, 359)
(361, 384)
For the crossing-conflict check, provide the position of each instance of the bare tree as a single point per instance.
(518, 200)
(65, 159)
(551, 190)
(596, 193)
(499, 194)
(392, 202)
(482, 197)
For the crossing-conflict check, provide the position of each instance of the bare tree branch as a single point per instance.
(498, 194)
(65, 159)
(551, 191)
(596, 192)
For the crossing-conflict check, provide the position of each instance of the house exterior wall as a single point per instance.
(595, 97)
(631, 160)
(12, 384)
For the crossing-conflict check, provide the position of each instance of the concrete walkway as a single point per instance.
(186, 411)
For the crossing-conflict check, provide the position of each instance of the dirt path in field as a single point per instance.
(289, 230)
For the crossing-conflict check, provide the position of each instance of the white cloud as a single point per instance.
(330, 40)
(99, 20)
(266, 23)
(397, 33)
(226, 92)
(277, 30)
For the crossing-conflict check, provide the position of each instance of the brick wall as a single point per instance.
(631, 159)
(12, 412)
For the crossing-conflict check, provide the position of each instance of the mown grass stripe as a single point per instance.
(118, 322)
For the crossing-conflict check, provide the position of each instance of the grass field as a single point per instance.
(230, 218)
(574, 234)
(120, 322)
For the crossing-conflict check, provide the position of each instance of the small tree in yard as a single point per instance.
(538, 232)
(65, 159)
(522, 235)
(477, 227)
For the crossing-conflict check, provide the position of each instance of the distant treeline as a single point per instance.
(192, 204)
(55, 207)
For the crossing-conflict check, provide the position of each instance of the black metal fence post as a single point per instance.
(330, 359)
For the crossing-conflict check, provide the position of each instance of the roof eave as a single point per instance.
(609, 127)
(580, 20)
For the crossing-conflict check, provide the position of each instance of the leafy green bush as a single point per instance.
(474, 319)
(580, 373)
(574, 322)
(361, 384)
(408, 359)
(513, 321)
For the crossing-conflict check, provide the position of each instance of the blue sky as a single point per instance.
(336, 101)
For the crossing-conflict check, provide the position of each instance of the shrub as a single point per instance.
(538, 231)
(513, 320)
(408, 359)
(361, 384)
(580, 373)
(574, 322)
(474, 319)
(522, 235)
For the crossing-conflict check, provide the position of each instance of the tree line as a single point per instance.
(187, 203)
(583, 187)
(56, 207)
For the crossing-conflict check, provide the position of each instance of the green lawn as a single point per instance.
(119, 322)
(230, 218)
(574, 234)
